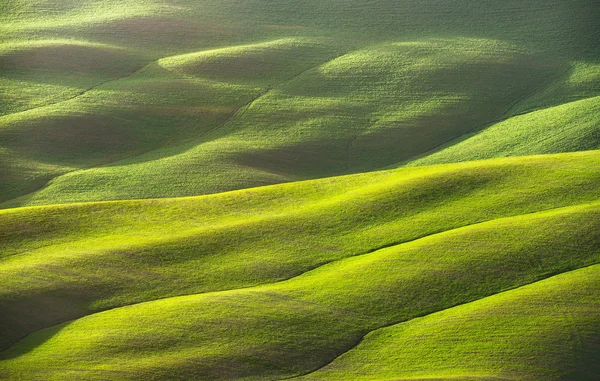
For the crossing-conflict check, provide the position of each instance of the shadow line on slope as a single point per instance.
(46, 181)
(85, 91)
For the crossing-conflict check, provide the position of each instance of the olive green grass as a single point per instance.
(266, 92)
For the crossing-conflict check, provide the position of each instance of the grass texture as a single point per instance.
(547, 330)
(291, 327)
(124, 100)
(312, 190)
(105, 255)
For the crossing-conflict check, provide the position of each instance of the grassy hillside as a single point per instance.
(211, 190)
(185, 98)
(105, 255)
(362, 111)
(570, 127)
(279, 330)
(547, 330)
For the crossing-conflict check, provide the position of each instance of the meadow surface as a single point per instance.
(316, 190)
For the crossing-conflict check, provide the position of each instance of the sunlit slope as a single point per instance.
(292, 327)
(545, 331)
(361, 111)
(104, 255)
(570, 127)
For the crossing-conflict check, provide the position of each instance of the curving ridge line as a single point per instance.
(327, 263)
(361, 339)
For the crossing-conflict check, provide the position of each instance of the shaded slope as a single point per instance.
(41, 72)
(261, 64)
(548, 330)
(104, 255)
(291, 327)
(580, 82)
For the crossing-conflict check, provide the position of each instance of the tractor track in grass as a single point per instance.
(327, 263)
(362, 338)
(240, 111)
(85, 91)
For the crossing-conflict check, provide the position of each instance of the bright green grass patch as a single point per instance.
(545, 331)
(291, 327)
(571, 127)
(104, 255)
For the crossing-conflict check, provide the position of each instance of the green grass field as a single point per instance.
(317, 190)
(545, 330)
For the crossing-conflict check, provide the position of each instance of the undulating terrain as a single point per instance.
(313, 190)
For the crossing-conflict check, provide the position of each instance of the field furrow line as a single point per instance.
(361, 339)
(328, 263)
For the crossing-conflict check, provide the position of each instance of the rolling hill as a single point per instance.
(316, 190)
(124, 100)
(291, 327)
